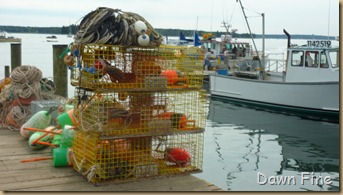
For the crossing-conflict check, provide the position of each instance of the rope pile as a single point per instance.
(113, 26)
(26, 86)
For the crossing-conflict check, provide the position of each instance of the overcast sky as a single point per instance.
(320, 17)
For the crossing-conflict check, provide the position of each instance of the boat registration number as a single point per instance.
(317, 43)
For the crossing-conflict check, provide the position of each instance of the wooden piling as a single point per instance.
(15, 55)
(7, 71)
(60, 71)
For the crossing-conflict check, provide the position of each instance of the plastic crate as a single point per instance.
(40, 105)
(140, 113)
(116, 67)
(128, 159)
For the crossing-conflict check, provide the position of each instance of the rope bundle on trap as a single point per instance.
(113, 26)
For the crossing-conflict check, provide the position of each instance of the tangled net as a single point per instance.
(113, 26)
(26, 86)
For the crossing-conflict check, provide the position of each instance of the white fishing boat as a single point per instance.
(309, 83)
(52, 38)
(237, 54)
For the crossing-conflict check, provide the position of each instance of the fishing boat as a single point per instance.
(52, 38)
(309, 83)
(194, 41)
(70, 35)
(237, 53)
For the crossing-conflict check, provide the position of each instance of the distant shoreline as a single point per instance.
(165, 32)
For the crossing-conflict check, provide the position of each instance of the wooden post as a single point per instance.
(7, 71)
(60, 71)
(15, 55)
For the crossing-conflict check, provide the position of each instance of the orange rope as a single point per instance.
(41, 130)
(47, 144)
(36, 159)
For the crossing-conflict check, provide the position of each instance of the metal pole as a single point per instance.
(263, 40)
(15, 55)
(60, 71)
(246, 20)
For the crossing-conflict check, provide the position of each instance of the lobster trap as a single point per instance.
(131, 158)
(140, 113)
(100, 67)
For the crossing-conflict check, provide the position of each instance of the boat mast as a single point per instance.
(226, 28)
(263, 41)
(246, 20)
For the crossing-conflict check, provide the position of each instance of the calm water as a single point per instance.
(247, 148)
(242, 144)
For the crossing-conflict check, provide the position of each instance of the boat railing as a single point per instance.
(275, 62)
(275, 65)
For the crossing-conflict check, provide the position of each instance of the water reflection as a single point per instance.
(242, 141)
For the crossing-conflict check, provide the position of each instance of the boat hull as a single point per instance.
(318, 98)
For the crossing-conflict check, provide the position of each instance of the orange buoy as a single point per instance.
(69, 60)
(172, 76)
(179, 156)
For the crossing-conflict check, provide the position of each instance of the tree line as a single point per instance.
(74, 28)
(165, 32)
(43, 30)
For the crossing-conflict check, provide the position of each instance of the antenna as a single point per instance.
(196, 26)
(329, 20)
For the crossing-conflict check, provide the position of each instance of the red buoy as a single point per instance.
(179, 156)
(171, 75)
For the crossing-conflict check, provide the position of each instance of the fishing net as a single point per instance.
(115, 27)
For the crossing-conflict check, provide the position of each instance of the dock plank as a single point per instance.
(42, 176)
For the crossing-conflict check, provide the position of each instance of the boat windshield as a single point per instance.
(334, 58)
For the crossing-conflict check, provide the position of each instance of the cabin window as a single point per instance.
(311, 59)
(334, 57)
(323, 60)
(297, 58)
(213, 46)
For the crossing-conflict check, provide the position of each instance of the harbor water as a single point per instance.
(245, 148)
(252, 149)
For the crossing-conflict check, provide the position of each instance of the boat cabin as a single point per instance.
(235, 49)
(317, 61)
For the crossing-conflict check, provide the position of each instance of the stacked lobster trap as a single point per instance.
(128, 158)
(140, 109)
(107, 67)
(140, 113)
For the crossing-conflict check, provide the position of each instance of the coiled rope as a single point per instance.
(113, 26)
(25, 81)
(27, 85)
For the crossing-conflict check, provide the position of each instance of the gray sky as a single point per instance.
(320, 17)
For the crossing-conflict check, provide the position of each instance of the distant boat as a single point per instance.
(5, 38)
(70, 34)
(184, 41)
(52, 38)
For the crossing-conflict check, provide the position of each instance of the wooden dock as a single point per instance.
(43, 176)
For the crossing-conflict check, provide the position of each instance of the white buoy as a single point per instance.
(140, 27)
(143, 40)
